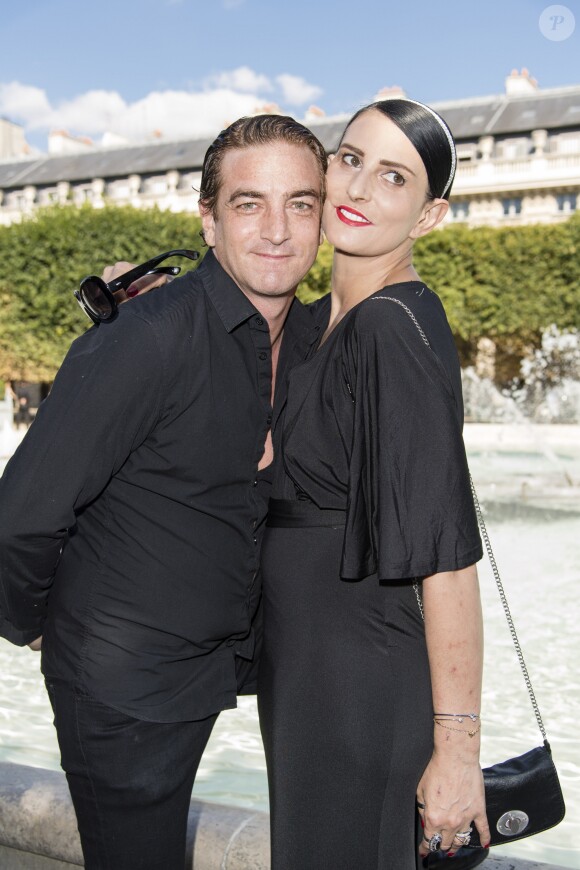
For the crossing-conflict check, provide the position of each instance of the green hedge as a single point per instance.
(44, 259)
(507, 284)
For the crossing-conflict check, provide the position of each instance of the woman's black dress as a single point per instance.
(371, 489)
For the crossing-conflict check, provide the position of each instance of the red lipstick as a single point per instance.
(352, 217)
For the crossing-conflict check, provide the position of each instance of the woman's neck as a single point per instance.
(356, 278)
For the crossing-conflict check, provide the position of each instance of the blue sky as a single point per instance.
(186, 68)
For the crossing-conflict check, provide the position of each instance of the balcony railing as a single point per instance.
(535, 171)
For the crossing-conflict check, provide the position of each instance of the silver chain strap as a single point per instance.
(409, 312)
(493, 563)
(507, 611)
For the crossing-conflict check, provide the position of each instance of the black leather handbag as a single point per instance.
(523, 795)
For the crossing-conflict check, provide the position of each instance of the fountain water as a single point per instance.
(547, 391)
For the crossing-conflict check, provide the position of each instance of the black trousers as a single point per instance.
(130, 781)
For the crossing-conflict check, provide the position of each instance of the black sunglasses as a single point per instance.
(96, 297)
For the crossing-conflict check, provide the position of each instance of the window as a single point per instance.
(459, 211)
(567, 202)
(118, 189)
(156, 185)
(466, 152)
(83, 194)
(48, 196)
(568, 143)
(512, 206)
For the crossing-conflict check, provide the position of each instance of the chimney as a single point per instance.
(314, 113)
(61, 142)
(519, 84)
(390, 93)
(12, 141)
(268, 109)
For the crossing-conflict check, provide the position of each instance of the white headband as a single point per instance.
(447, 132)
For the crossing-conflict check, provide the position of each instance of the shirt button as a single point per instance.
(269, 419)
(255, 540)
(263, 355)
(254, 482)
(259, 321)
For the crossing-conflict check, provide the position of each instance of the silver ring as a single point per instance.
(463, 837)
(435, 842)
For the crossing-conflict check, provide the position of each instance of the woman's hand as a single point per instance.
(138, 287)
(452, 794)
(451, 787)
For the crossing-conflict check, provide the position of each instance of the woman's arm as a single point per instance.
(451, 787)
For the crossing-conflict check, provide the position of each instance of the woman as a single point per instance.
(365, 709)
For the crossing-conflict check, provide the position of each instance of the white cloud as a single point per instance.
(297, 90)
(176, 114)
(30, 106)
(25, 104)
(241, 79)
(90, 113)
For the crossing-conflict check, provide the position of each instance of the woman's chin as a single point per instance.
(344, 239)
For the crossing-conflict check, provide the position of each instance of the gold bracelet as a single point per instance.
(459, 730)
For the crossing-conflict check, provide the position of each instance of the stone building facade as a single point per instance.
(518, 162)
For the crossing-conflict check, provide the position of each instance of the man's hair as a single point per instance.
(248, 132)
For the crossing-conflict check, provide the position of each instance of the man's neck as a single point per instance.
(275, 311)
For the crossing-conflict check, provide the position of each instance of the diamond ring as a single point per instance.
(435, 842)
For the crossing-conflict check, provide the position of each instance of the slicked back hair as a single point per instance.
(426, 133)
(248, 132)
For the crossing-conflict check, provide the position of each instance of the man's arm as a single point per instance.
(104, 400)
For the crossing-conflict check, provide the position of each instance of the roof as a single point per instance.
(104, 163)
(554, 108)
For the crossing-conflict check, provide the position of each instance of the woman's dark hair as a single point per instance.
(430, 135)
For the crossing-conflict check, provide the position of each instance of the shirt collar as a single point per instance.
(232, 306)
(300, 323)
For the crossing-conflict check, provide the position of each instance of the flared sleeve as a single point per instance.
(410, 511)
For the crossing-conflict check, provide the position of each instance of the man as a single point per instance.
(145, 463)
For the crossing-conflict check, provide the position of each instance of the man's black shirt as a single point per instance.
(142, 467)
